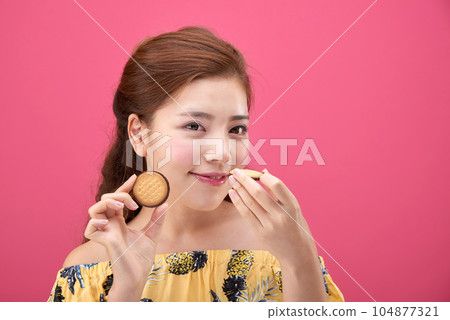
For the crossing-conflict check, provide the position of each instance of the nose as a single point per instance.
(221, 151)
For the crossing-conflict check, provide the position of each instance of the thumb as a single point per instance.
(153, 227)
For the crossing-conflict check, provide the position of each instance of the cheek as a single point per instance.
(175, 154)
(241, 153)
(181, 153)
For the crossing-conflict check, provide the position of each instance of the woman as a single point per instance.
(205, 243)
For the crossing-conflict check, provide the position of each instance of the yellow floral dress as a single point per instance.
(211, 275)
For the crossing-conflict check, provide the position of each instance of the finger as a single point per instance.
(127, 185)
(255, 192)
(154, 226)
(122, 197)
(248, 215)
(277, 187)
(105, 209)
(250, 202)
(270, 192)
(94, 229)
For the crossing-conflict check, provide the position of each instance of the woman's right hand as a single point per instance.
(131, 252)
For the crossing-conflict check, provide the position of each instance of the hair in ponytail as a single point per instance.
(173, 59)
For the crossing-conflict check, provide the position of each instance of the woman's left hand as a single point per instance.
(276, 218)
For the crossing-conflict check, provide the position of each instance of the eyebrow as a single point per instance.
(200, 114)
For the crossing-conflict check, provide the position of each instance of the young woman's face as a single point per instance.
(219, 108)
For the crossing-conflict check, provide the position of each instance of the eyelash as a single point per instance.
(193, 123)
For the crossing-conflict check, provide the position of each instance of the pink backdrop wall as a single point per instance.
(376, 105)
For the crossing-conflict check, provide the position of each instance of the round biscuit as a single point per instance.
(151, 189)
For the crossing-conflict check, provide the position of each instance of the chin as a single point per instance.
(205, 203)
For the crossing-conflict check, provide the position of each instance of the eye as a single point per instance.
(194, 125)
(243, 129)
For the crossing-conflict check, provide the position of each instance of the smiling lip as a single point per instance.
(208, 178)
(211, 174)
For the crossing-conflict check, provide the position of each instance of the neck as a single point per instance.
(181, 222)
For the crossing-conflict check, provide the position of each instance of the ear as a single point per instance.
(137, 132)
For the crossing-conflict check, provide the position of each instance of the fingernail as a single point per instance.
(134, 205)
(100, 223)
(237, 172)
(233, 194)
(118, 204)
(232, 180)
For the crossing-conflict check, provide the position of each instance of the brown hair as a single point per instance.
(173, 60)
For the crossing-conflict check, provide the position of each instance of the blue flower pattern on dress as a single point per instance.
(235, 264)
(73, 274)
(324, 272)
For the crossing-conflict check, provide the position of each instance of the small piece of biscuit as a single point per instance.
(151, 189)
(251, 173)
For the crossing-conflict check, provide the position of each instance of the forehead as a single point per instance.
(220, 96)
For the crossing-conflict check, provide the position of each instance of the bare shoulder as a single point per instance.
(89, 252)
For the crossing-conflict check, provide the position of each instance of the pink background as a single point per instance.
(376, 104)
